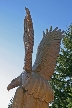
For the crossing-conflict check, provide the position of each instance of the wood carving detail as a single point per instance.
(34, 90)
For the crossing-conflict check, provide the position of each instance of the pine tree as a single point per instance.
(62, 78)
(10, 104)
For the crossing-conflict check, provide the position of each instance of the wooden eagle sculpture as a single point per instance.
(34, 90)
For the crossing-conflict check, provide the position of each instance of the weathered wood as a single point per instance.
(28, 39)
(34, 80)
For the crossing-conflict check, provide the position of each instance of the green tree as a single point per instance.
(10, 104)
(62, 78)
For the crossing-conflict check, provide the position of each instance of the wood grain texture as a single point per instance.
(34, 90)
(25, 100)
(28, 39)
(47, 53)
(39, 88)
(18, 101)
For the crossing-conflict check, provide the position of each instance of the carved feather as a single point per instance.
(39, 88)
(47, 53)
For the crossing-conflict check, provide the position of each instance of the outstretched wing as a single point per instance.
(28, 41)
(48, 51)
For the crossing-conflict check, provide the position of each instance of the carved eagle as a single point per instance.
(35, 78)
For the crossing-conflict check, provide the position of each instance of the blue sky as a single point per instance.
(45, 13)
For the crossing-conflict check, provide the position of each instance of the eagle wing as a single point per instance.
(47, 53)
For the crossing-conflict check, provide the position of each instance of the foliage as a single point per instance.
(62, 78)
(10, 104)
